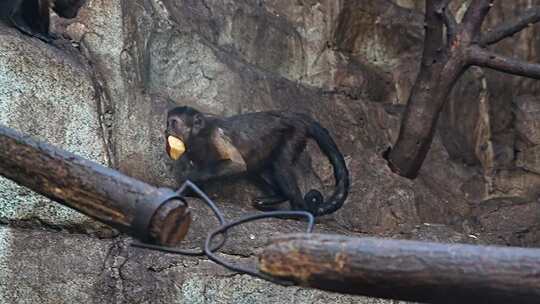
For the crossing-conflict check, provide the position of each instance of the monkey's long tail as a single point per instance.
(314, 198)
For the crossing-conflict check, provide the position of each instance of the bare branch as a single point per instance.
(485, 58)
(441, 9)
(507, 29)
(450, 23)
(440, 5)
(475, 15)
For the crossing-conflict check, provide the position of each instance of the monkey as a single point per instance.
(264, 145)
(32, 17)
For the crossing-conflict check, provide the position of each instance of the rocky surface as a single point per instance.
(103, 90)
(82, 269)
(47, 93)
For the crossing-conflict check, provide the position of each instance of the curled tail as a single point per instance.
(314, 199)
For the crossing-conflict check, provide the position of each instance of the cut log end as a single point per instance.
(171, 223)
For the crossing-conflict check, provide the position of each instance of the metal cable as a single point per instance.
(250, 218)
(209, 250)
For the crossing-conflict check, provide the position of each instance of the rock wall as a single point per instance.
(103, 90)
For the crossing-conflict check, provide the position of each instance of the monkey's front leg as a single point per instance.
(16, 18)
(219, 169)
(21, 26)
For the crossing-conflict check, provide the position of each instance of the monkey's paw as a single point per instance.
(268, 203)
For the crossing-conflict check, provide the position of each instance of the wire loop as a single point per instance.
(250, 218)
(209, 251)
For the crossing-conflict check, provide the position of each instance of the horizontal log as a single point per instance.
(406, 270)
(102, 193)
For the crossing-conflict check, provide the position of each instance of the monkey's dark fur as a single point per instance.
(261, 144)
(32, 17)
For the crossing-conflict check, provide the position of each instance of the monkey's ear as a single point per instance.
(199, 123)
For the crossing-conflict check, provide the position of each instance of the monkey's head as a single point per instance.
(67, 8)
(183, 124)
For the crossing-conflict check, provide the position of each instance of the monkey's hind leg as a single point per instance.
(286, 179)
(273, 197)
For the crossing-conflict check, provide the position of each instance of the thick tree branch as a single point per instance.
(485, 58)
(511, 27)
(406, 270)
(475, 15)
(97, 191)
(435, 79)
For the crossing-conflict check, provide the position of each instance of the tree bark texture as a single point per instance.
(95, 190)
(406, 270)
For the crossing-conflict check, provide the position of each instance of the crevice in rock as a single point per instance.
(105, 115)
(116, 258)
(36, 223)
(159, 269)
(33, 223)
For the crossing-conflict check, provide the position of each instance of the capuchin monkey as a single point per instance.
(32, 17)
(265, 145)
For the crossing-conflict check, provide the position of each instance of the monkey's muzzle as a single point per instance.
(175, 147)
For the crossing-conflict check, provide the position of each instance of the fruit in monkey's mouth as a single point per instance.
(175, 147)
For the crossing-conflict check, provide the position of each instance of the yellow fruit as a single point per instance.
(176, 147)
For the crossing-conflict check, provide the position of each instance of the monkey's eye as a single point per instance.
(171, 123)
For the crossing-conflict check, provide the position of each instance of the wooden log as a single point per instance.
(102, 193)
(406, 270)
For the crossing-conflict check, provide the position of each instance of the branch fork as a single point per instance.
(444, 60)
